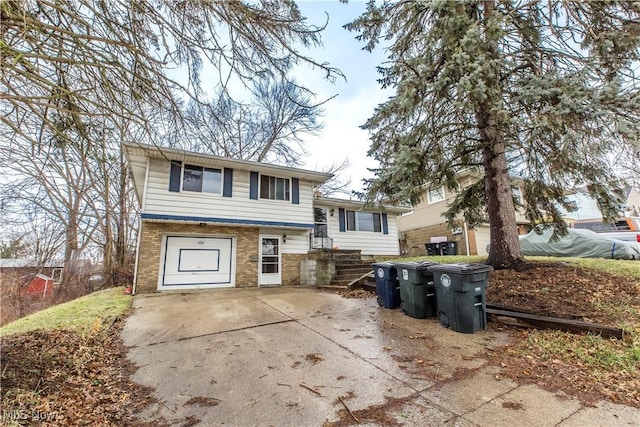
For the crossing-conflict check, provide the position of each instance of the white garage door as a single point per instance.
(197, 262)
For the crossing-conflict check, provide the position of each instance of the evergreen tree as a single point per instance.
(542, 91)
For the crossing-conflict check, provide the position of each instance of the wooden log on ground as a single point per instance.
(528, 320)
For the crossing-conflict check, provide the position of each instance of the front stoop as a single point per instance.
(350, 269)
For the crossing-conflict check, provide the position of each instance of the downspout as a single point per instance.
(466, 237)
(142, 208)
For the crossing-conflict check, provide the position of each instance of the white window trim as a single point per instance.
(289, 191)
(517, 195)
(357, 222)
(430, 200)
(182, 190)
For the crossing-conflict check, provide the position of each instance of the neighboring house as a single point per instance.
(426, 222)
(209, 221)
(585, 207)
(34, 279)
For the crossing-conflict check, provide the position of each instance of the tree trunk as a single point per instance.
(504, 249)
(505, 246)
(122, 221)
(70, 254)
(108, 265)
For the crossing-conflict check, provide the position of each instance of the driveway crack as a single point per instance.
(244, 328)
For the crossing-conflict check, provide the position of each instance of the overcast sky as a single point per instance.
(356, 97)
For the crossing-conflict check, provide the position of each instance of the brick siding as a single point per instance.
(414, 240)
(246, 253)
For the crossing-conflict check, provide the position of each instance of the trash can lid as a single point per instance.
(387, 264)
(416, 265)
(462, 268)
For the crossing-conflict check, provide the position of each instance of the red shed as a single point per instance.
(41, 286)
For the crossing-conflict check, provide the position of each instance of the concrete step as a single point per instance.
(346, 255)
(355, 267)
(352, 270)
(346, 278)
(348, 267)
(337, 286)
(352, 262)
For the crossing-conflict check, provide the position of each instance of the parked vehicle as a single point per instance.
(576, 243)
(627, 229)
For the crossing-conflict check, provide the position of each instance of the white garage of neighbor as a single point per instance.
(483, 238)
(195, 262)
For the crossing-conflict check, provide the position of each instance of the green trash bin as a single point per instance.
(417, 291)
(461, 298)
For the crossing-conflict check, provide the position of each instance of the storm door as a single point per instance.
(270, 264)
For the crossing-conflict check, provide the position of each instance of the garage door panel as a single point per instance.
(198, 261)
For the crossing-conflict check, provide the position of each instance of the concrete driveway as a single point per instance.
(300, 357)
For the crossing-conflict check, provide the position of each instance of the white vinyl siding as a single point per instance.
(370, 243)
(297, 241)
(159, 200)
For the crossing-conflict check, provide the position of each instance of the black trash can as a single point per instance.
(417, 291)
(461, 298)
(387, 286)
(431, 248)
(441, 248)
(452, 247)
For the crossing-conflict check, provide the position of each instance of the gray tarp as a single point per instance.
(577, 243)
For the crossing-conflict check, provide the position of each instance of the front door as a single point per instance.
(320, 238)
(270, 267)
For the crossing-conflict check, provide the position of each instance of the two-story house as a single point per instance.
(426, 222)
(209, 221)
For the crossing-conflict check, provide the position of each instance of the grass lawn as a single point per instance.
(612, 266)
(66, 365)
(83, 315)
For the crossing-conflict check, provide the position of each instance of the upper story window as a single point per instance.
(363, 221)
(517, 194)
(201, 179)
(435, 195)
(275, 188)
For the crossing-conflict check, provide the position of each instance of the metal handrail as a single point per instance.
(320, 234)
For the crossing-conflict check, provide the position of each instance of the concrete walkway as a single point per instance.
(297, 357)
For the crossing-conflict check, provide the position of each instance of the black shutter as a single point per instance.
(227, 190)
(253, 186)
(295, 191)
(341, 220)
(385, 224)
(174, 177)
